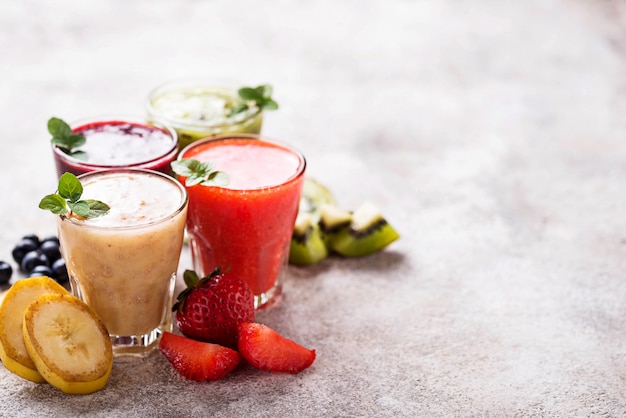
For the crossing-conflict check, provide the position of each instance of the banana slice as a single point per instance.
(68, 343)
(12, 349)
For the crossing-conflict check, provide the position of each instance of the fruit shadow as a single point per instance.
(384, 261)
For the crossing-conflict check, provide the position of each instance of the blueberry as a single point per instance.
(60, 271)
(32, 259)
(52, 238)
(6, 271)
(51, 250)
(33, 237)
(23, 247)
(41, 270)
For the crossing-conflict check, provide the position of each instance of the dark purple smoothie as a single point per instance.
(119, 143)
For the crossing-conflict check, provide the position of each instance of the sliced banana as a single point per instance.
(68, 343)
(13, 352)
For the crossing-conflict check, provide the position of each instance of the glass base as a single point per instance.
(135, 345)
(270, 298)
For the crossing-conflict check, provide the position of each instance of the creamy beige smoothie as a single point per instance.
(124, 264)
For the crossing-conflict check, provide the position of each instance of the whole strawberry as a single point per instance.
(210, 309)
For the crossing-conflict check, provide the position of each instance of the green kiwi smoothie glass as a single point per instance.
(200, 109)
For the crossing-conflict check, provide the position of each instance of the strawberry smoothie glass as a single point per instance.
(124, 264)
(245, 227)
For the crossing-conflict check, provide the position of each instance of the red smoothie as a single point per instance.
(118, 143)
(246, 226)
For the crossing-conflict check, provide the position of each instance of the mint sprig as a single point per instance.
(64, 139)
(67, 200)
(198, 172)
(260, 97)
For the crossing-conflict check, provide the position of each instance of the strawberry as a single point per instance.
(197, 360)
(266, 349)
(210, 309)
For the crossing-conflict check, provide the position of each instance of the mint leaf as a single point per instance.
(197, 172)
(194, 179)
(81, 208)
(69, 142)
(219, 178)
(260, 96)
(270, 104)
(79, 155)
(264, 90)
(239, 108)
(188, 167)
(89, 208)
(54, 203)
(248, 93)
(96, 208)
(58, 128)
(69, 187)
(63, 137)
(68, 194)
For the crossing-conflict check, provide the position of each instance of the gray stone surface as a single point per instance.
(490, 133)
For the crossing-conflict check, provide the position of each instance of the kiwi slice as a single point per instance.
(368, 233)
(322, 227)
(314, 196)
(332, 220)
(307, 246)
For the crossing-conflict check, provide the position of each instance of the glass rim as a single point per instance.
(184, 199)
(262, 138)
(228, 85)
(109, 119)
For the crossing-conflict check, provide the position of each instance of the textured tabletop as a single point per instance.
(492, 135)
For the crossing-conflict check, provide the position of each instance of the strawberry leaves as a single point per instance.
(192, 280)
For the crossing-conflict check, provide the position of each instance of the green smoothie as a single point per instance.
(198, 110)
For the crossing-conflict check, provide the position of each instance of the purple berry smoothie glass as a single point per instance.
(119, 142)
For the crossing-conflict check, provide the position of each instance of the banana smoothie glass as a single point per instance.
(124, 264)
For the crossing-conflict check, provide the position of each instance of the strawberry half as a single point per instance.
(197, 360)
(266, 349)
(210, 309)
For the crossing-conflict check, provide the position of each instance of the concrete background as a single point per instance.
(491, 135)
